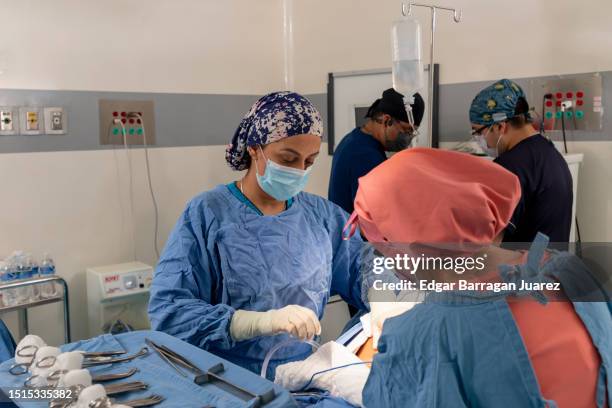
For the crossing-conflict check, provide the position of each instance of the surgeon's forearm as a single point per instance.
(193, 321)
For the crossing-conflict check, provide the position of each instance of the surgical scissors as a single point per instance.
(31, 349)
(103, 360)
(49, 361)
(106, 402)
(55, 376)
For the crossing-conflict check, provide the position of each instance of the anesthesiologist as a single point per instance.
(502, 126)
(386, 129)
(254, 261)
(480, 348)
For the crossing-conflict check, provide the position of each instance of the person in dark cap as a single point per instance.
(387, 129)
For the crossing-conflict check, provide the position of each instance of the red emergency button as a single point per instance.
(559, 95)
(579, 102)
(569, 95)
(115, 114)
(559, 103)
(579, 94)
(549, 103)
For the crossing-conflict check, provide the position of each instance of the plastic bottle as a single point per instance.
(3, 277)
(7, 275)
(47, 268)
(407, 70)
(23, 270)
(35, 272)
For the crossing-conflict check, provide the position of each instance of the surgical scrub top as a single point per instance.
(224, 255)
(470, 352)
(355, 156)
(546, 186)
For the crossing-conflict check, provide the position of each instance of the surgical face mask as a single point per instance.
(482, 143)
(490, 151)
(401, 142)
(281, 182)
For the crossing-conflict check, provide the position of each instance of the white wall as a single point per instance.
(196, 46)
(515, 38)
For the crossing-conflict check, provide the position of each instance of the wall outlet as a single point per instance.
(135, 118)
(9, 123)
(56, 121)
(31, 120)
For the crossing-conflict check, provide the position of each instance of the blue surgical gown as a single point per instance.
(456, 352)
(7, 344)
(223, 256)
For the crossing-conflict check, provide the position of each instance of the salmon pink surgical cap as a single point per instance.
(435, 196)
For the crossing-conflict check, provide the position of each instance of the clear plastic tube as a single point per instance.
(266, 362)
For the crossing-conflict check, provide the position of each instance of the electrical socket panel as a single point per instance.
(31, 120)
(571, 100)
(134, 118)
(56, 121)
(9, 121)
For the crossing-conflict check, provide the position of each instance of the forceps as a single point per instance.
(211, 375)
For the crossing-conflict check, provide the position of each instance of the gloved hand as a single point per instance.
(299, 321)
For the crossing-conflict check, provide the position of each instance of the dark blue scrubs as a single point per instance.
(355, 156)
(547, 195)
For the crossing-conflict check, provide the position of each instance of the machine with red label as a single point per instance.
(118, 293)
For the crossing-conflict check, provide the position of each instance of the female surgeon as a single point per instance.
(254, 261)
(481, 348)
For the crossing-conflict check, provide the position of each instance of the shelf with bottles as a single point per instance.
(23, 281)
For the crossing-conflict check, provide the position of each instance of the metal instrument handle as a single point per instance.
(105, 360)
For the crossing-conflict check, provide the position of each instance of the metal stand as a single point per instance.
(22, 309)
(406, 11)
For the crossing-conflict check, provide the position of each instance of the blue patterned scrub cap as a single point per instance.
(497, 103)
(273, 117)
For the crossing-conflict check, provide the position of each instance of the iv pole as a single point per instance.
(457, 14)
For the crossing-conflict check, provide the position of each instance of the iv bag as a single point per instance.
(406, 56)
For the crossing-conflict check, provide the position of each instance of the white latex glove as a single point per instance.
(299, 321)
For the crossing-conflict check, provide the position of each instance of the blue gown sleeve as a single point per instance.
(184, 297)
(347, 276)
(7, 344)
